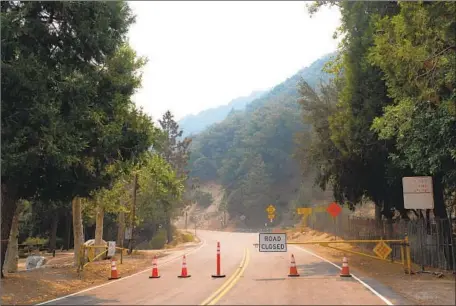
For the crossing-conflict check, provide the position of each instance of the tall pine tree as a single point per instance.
(175, 151)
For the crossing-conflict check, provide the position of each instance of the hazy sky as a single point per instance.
(204, 54)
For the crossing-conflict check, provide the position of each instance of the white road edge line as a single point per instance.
(384, 299)
(203, 243)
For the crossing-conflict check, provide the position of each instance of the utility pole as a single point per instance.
(186, 215)
(133, 212)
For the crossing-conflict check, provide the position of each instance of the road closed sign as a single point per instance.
(273, 242)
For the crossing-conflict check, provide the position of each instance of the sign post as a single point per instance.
(271, 210)
(272, 242)
(334, 210)
(304, 212)
(111, 248)
(418, 194)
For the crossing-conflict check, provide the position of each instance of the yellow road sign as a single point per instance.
(305, 211)
(382, 250)
(271, 216)
(271, 209)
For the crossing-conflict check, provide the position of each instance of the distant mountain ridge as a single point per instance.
(193, 124)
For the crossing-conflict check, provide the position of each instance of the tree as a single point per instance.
(363, 168)
(66, 108)
(416, 50)
(110, 201)
(159, 188)
(176, 153)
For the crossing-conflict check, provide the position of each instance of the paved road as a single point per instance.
(252, 278)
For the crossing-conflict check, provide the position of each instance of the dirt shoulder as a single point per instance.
(60, 278)
(421, 289)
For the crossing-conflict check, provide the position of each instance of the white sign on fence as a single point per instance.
(111, 248)
(418, 193)
(273, 242)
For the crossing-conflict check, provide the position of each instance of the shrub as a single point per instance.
(35, 241)
(159, 240)
(187, 237)
(204, 199)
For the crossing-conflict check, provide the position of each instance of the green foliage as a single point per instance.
(187, 237)
(158, 241)
(81, 90)
(67, 113)
(36, 241)
(158, 189)
(416, 49)
(392, 112)
(203, 199)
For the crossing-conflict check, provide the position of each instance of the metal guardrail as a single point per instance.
(87, 254)
(405, 258)
(432, 244)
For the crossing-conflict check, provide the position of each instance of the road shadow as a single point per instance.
(84, 300)
(270, 279)
(319, 270)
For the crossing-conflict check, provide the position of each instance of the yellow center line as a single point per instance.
(232, 278)
(234, 281)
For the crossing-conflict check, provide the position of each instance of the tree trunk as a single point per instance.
(12, 251)
(69, 230)
(378, 213)
(53, 238)
(169, 232)
(99, 229)
(120, 228)
(78, 231)
(9, 201)
(186, 218)
(444, 228)
(439, 201)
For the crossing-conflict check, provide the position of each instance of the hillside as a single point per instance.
(193, 124)
(250, 153)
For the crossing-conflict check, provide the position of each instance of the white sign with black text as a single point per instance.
(273, 242)
(418, 192)
(111, 248)
(128, 233)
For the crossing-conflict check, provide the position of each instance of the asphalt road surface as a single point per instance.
(252, 278)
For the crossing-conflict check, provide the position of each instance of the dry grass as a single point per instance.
(35, 286)
(422, 289)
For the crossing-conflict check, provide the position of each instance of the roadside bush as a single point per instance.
(36, 241)
(187, 237)
(158, 241)
(204, 199)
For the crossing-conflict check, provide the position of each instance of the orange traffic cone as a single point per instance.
(293, 269)
(114, 273)
(184, 269)
(154, 268)
(345, 272)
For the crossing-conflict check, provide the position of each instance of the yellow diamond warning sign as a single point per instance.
(382, 250)
(270, 210)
